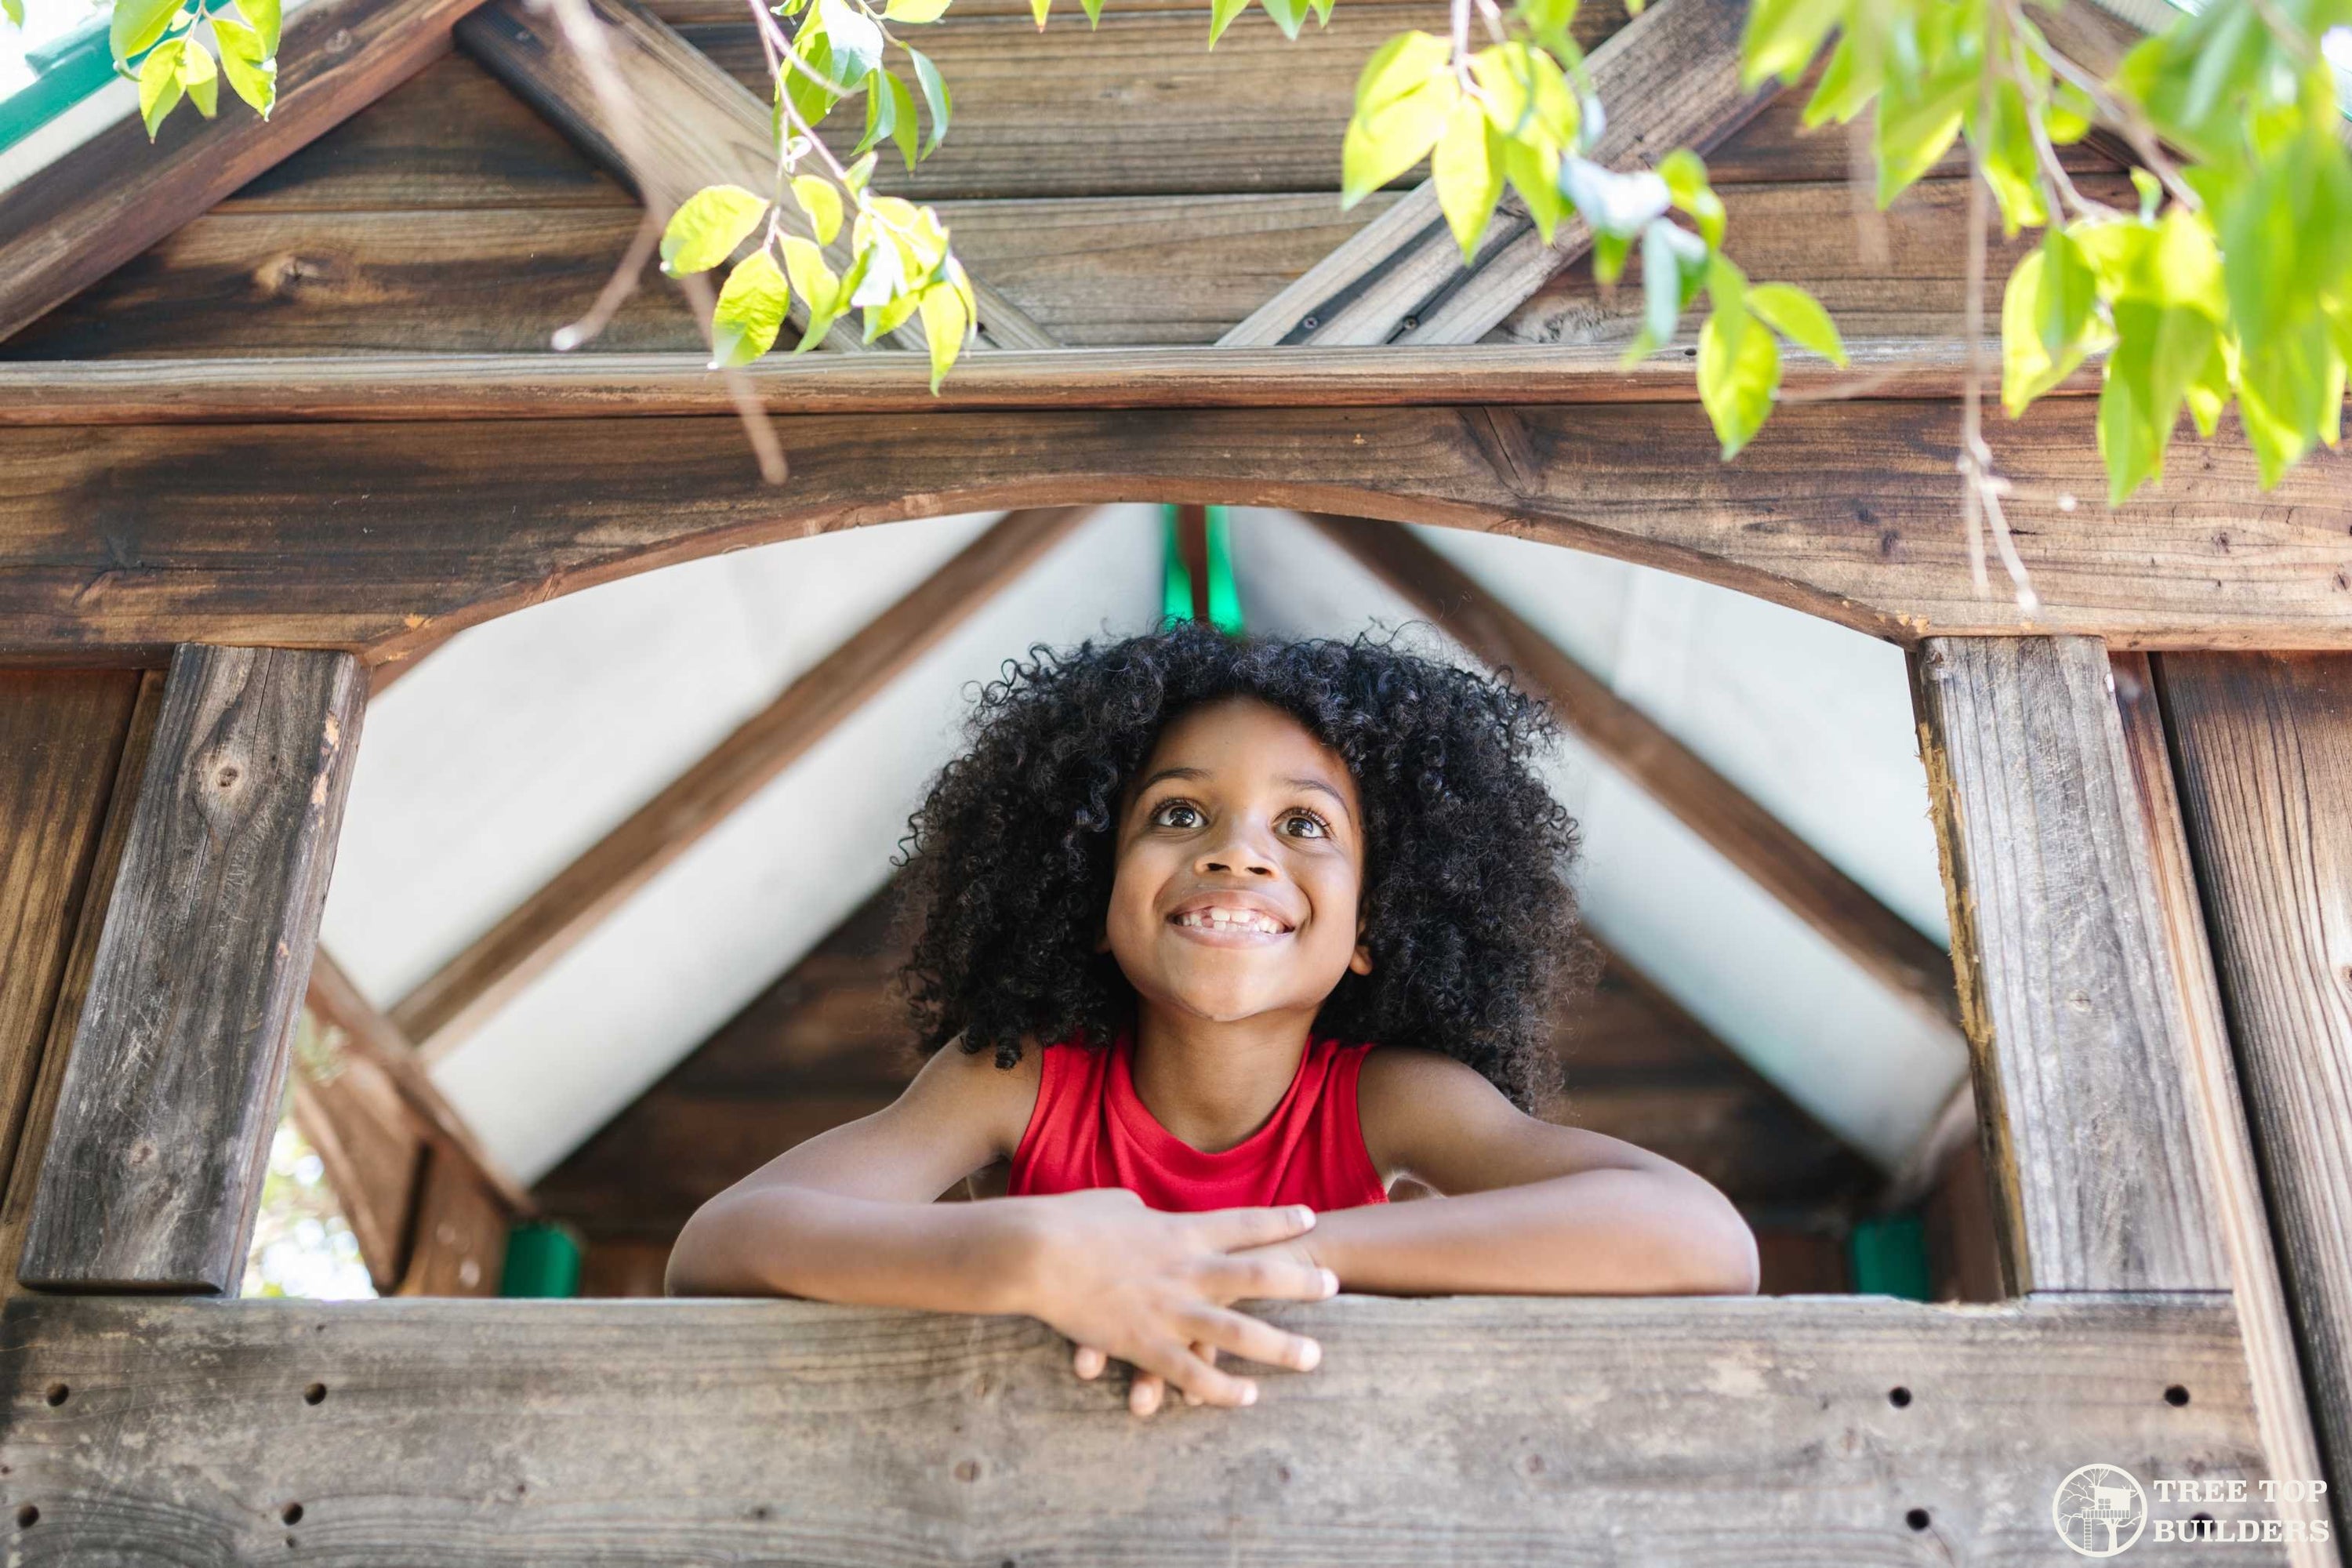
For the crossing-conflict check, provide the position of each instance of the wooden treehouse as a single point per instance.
(278, 425)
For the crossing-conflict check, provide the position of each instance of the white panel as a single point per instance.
(1811, 720)
(1867, 1063)
(716, 927)
(492, 765)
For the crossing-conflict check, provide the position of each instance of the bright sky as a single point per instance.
(45, 22)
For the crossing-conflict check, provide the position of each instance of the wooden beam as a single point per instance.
(348, 1111)
(2264, 1317)
(406, 387)
(1506, 1430)
(700, 127)
(2262, 745)
(163, 1119)
(387, 537)
(72, 744)
(1670, 79)
(460, 1243)
(97, 206)
(2074, 1006)
(1767, 851)
(453, 999)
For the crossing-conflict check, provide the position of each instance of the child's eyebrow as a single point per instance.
(1171, 774)
(1326, 789)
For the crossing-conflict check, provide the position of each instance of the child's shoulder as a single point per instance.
(1413, 1102)
(968, 1085)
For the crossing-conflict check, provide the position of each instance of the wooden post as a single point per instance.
(65, 738)
(165, 1112)
(2263, 746)
(2068, 988)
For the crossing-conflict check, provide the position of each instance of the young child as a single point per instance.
(1230, 934)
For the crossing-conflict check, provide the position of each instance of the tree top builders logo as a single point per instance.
(2100, 1510)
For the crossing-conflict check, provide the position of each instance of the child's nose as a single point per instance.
(1247, 860)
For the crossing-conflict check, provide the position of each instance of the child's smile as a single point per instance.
(1239, 867)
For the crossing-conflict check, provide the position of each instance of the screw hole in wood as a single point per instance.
(315, 1395)
(1916, 1518)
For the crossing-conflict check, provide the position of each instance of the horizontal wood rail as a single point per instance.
(613, 385)
(384, 537)
(1797, 1430)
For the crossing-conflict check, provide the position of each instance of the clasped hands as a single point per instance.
(1155, 1290)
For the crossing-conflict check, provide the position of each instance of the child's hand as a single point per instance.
(1152, 1289)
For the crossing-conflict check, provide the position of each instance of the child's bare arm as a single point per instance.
(1531, 1207)
(848, 1216)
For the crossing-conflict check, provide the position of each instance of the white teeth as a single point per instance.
(1231, 920)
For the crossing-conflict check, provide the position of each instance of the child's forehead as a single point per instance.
(1241, 733)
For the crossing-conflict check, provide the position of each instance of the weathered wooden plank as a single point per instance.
(62, 735)
(409, 387)
(97, 206)
(388, 537)
(1495, 1430)
(2074, 1007)
(696, 126)
(455, 999)
(164, 1116)
(1670, 78)
(2264, 748)
(2276, 1369)
(1119, 270)
(1769, 853)
(55, 1048)
(349, 1111)
(460, 1243)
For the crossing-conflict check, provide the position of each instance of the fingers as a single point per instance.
(1175, 1364)
(1267, 1278)
(1089, 1362)
(1221, 1329)
(1207, 1352)
(1144, 1395)
(1229, 1229)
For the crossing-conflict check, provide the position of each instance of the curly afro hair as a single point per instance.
(1470, 924)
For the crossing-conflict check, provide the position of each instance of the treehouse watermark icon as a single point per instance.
(2099, 1509)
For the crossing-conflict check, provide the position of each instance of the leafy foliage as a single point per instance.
(166, 38)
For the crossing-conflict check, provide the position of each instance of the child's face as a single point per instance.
(1240, 860)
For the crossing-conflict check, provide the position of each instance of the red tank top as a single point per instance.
(1090, 1129)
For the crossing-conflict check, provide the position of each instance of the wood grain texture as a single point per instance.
(2262, 745)
(829, 1041)
(1670, 78)
(1799, 876)
(1493, 1430)
(387, 537)
(2284, 1414)
(455, 999)
(2074, 1004)
(350, 1113)
(61, 738)
(98, 205)
(24, 1172)
(459, 1244)
(164, 1116)
(698, 127)
(343, 388)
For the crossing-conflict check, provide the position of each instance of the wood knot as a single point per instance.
(967, 1469)
(338, 41)
(227, 776)
(144, 1153)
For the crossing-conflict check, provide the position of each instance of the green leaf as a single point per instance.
(1468, 176)
(1403, 101)
(947, 325)
(881, 110)
(937, 100)
(1738, 371)
(1674, 261)
(809, 96)
(1287, 15)
(914, 12)
(821, 202)
(1782, 36)
(1798, 317)
(1534, 172)
(2012, 161)
(1093, 8)
(1220, 17)
(251, 75)
(1550, 23)
(859, 173)
(265, 16)
(751, 310)
(160, 89)
(137, 24)
(856, 41)
(200, 77)
(1527, 96)
(706, 229)
(1849, 81)
(13, 10)
(822, 294)
(1038, 8)
(1686, 178)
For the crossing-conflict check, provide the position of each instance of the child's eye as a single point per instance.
(1307, 825)
(1176, 814)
